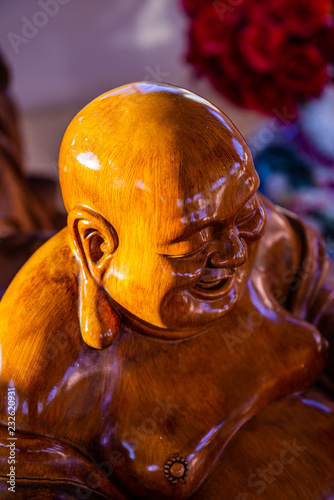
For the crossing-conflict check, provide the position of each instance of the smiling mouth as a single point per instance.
(212, 287)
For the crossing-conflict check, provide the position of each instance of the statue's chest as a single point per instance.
(167, 416)
(176, 405)
(160, 413)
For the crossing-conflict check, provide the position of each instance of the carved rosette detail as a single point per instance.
(176, 469)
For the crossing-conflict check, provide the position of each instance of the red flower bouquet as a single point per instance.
(263, 55)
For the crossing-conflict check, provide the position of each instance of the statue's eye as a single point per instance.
(189, 247)
(251, 219)
(248, 211)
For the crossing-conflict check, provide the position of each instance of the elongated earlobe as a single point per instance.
(99, 323)
(94, 241)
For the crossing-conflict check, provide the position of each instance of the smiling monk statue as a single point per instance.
(161, 345)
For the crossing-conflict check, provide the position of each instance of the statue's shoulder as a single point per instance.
(39, 308)
(52, 269)
(279, 230)
(292, 257)
(279, 251)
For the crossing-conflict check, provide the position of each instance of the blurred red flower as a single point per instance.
(194, 6)
(261, 43)
(208, 32)
(262, 55)
(301, 17)
(302, 69)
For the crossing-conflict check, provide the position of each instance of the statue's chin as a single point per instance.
(199, 306)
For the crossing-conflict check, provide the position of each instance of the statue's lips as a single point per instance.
(215, 283)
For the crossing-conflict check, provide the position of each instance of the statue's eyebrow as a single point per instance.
(192, 230)
(194, 227)
(189, 232)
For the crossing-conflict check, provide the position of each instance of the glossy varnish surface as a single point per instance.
(147, 333)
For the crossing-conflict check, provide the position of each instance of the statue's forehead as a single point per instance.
(189, 202)
(216, 200)
(175, 169)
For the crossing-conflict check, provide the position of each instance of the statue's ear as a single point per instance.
(94, 241)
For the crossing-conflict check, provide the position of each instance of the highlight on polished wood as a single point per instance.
(163, 344)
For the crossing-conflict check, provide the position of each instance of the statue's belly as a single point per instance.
(154, 416)
(166, 451)
(170, 416)
(177, 405)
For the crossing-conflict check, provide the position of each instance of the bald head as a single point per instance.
(130, 144)
(155, 178)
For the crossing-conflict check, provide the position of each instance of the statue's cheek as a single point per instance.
(186, 272)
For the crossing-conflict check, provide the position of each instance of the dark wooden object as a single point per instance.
(160, 345)
(28, 216)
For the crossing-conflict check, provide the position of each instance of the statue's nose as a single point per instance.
(229, 251)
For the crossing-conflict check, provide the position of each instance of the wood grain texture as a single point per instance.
(272, 459)
(165, 330)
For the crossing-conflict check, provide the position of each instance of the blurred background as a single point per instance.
(267, 64)
(85, 49)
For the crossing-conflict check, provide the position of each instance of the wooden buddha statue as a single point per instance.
(159, 346)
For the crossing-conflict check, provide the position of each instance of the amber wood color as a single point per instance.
(160, 344)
